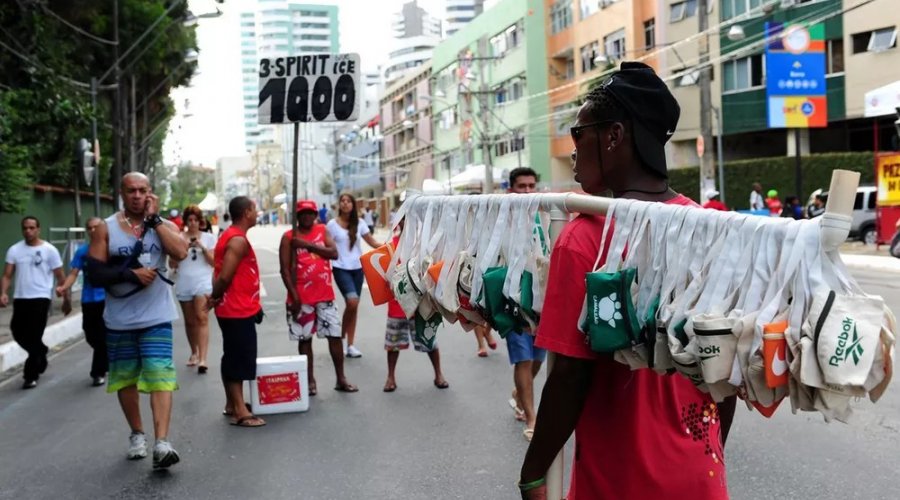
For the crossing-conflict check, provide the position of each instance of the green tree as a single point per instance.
(189, 185)
(326, 185)
(45, 65)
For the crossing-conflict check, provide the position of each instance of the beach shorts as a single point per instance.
(320, 319)
(398, 333)
(141, 358)
(349, 282)
(185, 292)
(520, 347)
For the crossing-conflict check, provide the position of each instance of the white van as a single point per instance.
(863, 226)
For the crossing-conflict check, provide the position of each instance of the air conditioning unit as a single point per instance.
(788, 3)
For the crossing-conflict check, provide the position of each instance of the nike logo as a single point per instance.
(670, 133)
(779, 366)
(375, 262)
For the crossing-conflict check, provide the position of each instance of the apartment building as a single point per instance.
(489, 92)
(585, 40)
(416, 33)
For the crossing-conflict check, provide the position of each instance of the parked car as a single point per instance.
(863, 225)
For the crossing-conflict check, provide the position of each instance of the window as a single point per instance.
(834, 56)
(509, 39)
(563, 117)
(734, 8)
(588, 8)
(614, 44)
(650, 33)
(588, 53)
(501, 148)
(448, 118)
(498, 45)
(743, 74)
(570, 69)
(687, 8)
(320, 26)
(560, 15)
(875, 41)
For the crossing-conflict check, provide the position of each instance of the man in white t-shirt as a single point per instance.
(369, 219)
(757, 200)
(35, 263)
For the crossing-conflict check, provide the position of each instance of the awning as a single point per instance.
(883, 101)
(210, 203)
(373, 122)
(473, 176)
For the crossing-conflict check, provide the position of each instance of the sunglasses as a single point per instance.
(578, 131)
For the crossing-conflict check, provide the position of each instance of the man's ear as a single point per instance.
(616, 135)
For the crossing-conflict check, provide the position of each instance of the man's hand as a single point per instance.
(4, 300)
(539, 493)
(211, 303)
(294, 308)
(299, 243)
(66, 307)
(152, 205)
(60, 290)
(145, 275)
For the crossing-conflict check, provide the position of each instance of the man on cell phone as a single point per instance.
(127, 256)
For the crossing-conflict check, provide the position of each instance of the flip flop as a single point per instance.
(346, 388)
(520, 413)
(390, 387)
(313, 389)
(246, 421)
(493, 345)
(441, 385)
(192, 361)
(482, 353)
(230, 413)
(528, 434)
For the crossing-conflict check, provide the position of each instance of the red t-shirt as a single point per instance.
(715, 205)
(641, 435)
(394, 309)
(313, 272)
(241, 299)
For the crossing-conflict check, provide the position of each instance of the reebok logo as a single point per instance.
(607, 310)
(709, 352)
(843, 351)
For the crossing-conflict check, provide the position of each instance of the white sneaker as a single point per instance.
(353, 352)
(137, 448)
(164, 455)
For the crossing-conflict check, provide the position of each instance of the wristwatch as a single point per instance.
(152, 220)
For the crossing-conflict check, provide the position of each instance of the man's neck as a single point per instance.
(132, 217)
(243, 226)
(34, 243)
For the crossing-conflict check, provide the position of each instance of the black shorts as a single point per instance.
(92, 318)
(238, 348)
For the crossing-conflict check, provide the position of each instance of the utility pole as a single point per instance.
(132, 140)
(117, 114)
(707, 166)
(485, 119)
(96, 149)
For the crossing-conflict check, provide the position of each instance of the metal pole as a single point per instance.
(520, 147)
(117, 114)
(798, 164)
(93, 146)
(720, 153)
(556, 473)
(707, 169)
(293, 204)
(78, 173)
(485, 120)
(132, 141)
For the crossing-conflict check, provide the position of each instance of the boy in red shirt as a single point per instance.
(305, 254)
(638, 435)
(397, 335)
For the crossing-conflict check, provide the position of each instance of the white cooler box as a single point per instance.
(280, 385)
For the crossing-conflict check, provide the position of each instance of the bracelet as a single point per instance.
(532, 485)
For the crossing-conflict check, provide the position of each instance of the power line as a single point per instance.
(76, 28)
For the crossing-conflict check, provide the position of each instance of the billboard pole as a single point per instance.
(292, 207)
(798, 165)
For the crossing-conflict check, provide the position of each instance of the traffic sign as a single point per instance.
(796, 88)
(309, 88)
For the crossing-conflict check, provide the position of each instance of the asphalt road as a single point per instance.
(66, 439)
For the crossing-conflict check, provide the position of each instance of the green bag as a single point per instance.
(426, 329)
(496, 305)
(610, 320)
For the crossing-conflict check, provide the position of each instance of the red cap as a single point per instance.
(307, 205)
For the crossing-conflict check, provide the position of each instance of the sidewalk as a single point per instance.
(60, 331)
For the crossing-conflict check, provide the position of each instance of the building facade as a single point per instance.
(489, 92)
(278, 28)
(458, 13)
(416, 33)
(229, 183)
(406, 124)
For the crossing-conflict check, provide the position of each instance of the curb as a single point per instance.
(871, 262)
(11, 355)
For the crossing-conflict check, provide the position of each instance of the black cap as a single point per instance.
(652, 108)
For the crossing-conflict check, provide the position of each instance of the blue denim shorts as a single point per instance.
(349, 282)
(521, 348)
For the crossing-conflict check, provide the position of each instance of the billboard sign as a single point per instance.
(795, 76)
